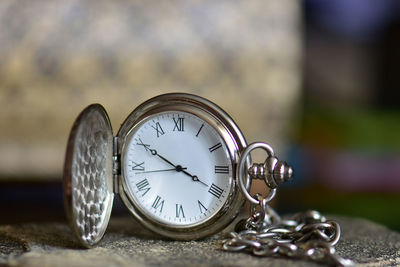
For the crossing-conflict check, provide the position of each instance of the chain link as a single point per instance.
(307, 235)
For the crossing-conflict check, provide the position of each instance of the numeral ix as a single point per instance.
(138, 166)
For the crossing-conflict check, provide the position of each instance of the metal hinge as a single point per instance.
(116, 168)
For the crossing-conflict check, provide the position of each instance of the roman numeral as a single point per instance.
(201, 127)
(215, 147)
(158, 129)
(138, 167)
(178, 124)
(158, 204)
(179, 211)
(215, 191)
(201, 206)
(222, 169)
(143, 185)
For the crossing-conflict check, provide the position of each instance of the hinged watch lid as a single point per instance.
(88, 177)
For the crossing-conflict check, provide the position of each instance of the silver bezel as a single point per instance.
(228, 131)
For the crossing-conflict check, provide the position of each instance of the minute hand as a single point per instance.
(194, 178)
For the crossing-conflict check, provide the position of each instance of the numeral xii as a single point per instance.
(179, 124)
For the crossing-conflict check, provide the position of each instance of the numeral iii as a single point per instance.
(222, 169)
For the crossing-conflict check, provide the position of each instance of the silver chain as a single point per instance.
(307, 235)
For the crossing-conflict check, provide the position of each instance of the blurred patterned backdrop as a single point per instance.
(56, 57)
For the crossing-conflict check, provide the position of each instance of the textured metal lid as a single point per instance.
(88, 184)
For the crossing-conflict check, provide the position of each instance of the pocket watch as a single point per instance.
(173, 163)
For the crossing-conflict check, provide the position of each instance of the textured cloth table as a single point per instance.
(128, 244)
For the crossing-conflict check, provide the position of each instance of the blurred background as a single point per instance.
(318, 80)
(346, 150)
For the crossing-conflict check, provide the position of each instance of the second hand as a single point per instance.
(165, 170)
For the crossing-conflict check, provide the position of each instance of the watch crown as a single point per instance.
(273, 171)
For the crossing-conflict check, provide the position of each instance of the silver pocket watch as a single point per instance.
(173, 163)
(182, 168)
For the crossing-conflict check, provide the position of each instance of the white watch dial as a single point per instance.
(177, 168)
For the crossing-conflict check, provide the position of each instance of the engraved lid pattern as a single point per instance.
(88, 175)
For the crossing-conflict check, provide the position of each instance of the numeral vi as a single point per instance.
(179, 211)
